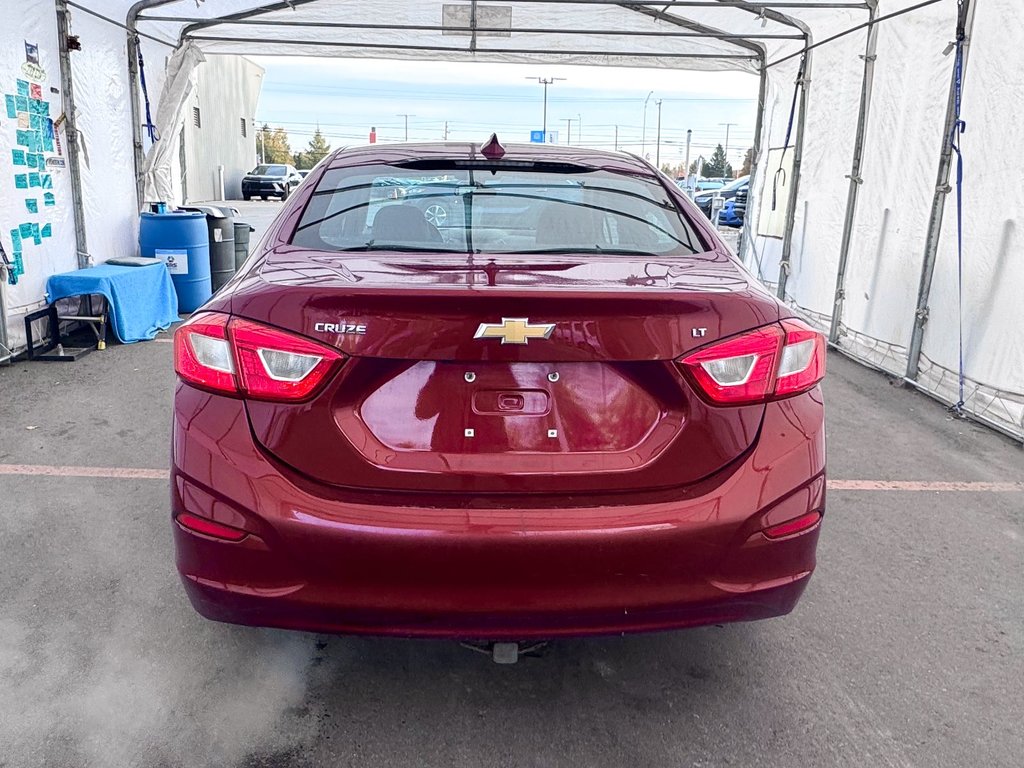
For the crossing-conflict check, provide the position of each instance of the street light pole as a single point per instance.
(643, 131)
(545, 81)
(689, 136)
(657, 148)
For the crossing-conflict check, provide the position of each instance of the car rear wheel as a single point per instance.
(247, 198)
(263, 197)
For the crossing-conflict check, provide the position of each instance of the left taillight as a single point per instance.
(239, 357)
(773, 361)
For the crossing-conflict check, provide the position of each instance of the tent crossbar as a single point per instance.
(452, 49)
(484, 29)
(116, 23)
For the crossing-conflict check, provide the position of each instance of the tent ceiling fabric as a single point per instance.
(598, 32)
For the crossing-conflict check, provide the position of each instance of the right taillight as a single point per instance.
(802, 364)
(773, 361)
(238, 357)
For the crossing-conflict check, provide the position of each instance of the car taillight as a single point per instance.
(240, 357)
(773, 361)
(802, 364)
(274, 365)
(202, 353)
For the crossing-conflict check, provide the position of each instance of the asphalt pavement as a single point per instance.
(907, 649)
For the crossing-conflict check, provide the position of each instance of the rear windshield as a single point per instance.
(270, 170)
(496, 208)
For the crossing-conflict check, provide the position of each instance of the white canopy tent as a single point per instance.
(846, 219)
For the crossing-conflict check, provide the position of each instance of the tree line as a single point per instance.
(717, 167)
(272, 146)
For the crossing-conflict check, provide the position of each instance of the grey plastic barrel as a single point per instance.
(242, 232)
(221, 226)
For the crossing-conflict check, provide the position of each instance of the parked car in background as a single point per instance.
(727, 217)
(703, 199)
(704, 185)
(740, 202)
(270, 180)
(587, 420)
(303, 173)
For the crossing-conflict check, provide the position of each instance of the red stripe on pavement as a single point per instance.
(134, 473)
(935, 486)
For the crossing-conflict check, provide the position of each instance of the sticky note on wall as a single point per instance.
(32, 204)
(49, 199)
(12, 106)
(21, 181)
(18, 156)
(46, 231)
(46, 180)
(33, 179)
(23, 87)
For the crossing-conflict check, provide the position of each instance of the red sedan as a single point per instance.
(495, 393)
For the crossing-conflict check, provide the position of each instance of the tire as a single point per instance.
(247, 198)
(263, 198)
(284, 195)
(436, 214)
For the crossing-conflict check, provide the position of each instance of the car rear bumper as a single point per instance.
(321, 559)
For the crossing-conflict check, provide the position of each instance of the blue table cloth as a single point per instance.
(142, 300)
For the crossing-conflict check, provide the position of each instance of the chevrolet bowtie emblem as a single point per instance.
(514, 330)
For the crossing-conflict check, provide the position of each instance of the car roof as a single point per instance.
(463, 150)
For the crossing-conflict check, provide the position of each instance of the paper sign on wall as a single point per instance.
(177, 261)
(774, 206)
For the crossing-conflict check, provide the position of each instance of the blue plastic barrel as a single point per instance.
(181, 240)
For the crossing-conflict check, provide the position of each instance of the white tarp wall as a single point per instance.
(903, 140)
(45, 233)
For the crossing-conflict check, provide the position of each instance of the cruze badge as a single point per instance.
(342, 328)
(514, 330)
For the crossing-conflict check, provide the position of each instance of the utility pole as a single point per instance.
(568, 130)
(579, 128)
(616, 138)
(406, 124)
(727, 126)
(545, 81)
(446, 130)
(263, 147)
(689, 136)
(657, 149)
(643, 131)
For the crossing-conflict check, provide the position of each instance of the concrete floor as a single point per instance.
(907, 650)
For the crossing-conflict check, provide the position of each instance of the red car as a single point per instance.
(567, 410)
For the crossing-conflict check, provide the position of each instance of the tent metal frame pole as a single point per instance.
(71, 131)
(942, 189)
(746, 237)
(867, 83)
(134, 89)
(794, 189)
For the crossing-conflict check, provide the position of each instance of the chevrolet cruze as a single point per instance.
(583, 418)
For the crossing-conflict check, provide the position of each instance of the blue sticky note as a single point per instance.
(26, 231)
(16, 240)
(21, 180)
(44, 108)
(47, 143)
(32, 204)
(36, 233)
(22, 138)
(35, 142)
(23, 88)
(35, 106)
(49, 199)
(35, 121)
(12, 106)
(46, 180)
(21, 103)
(18, 156)
(46, 231)
(33, 179)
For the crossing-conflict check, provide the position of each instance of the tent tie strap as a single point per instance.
(800, 81)
(150, 128)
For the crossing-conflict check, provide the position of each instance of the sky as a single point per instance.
(345, 97)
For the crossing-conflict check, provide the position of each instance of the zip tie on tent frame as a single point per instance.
(959, 127)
